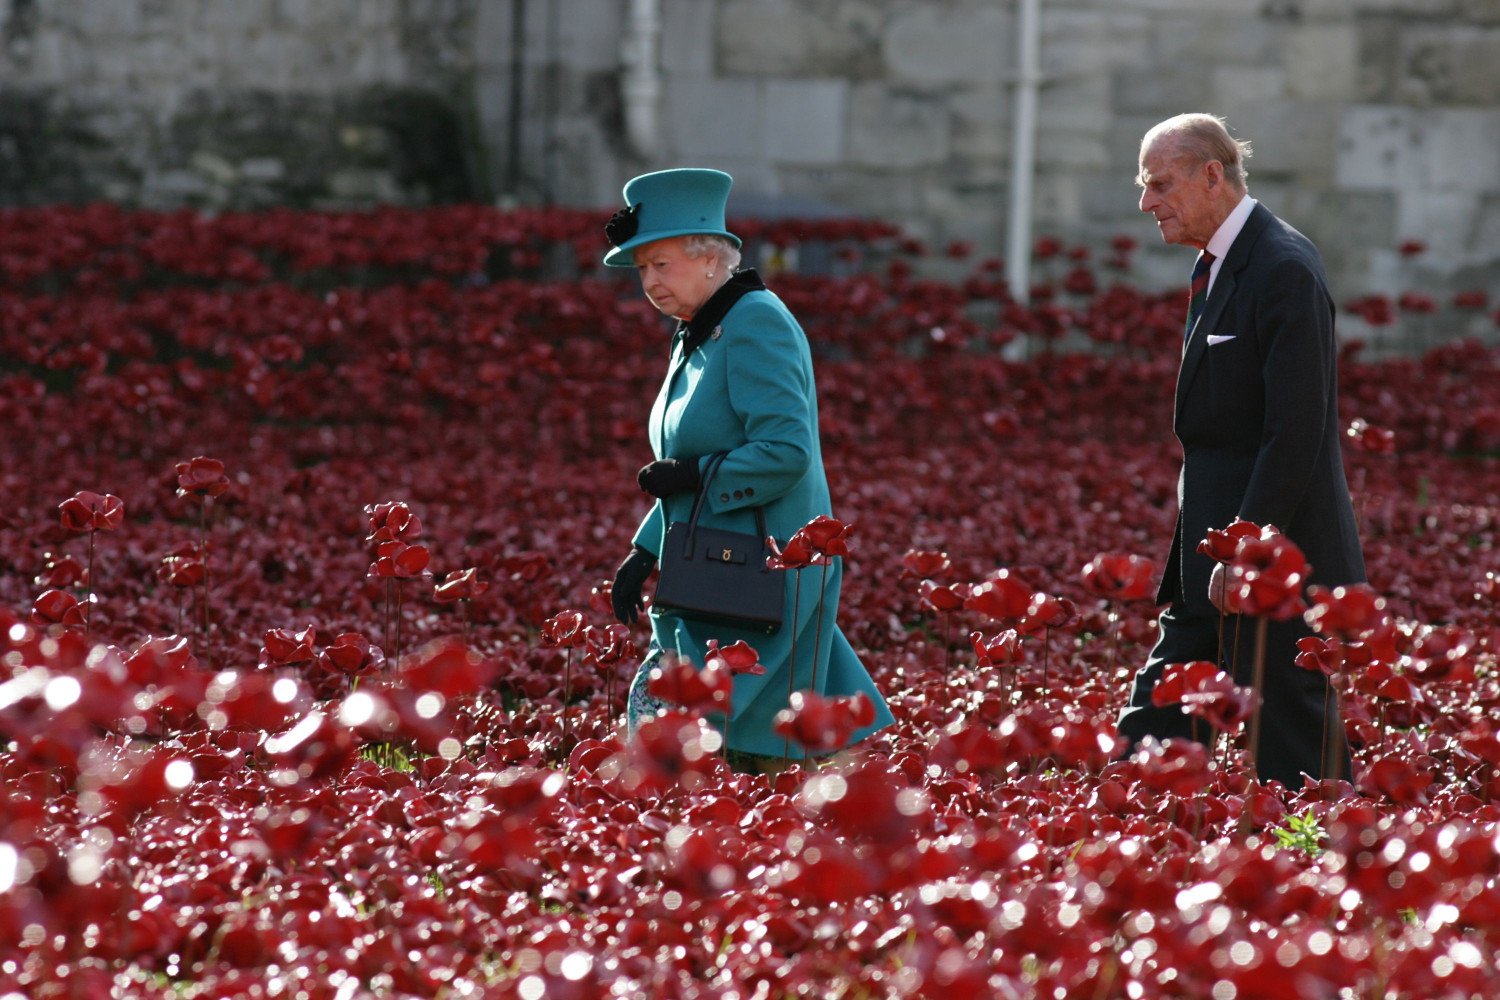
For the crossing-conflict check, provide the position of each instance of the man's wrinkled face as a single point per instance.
(1180, 193)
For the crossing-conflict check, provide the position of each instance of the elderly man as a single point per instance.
(1257, 416)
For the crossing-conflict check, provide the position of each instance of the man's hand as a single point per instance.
(1217, 581)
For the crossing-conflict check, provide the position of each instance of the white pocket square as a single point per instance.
(1219, 338)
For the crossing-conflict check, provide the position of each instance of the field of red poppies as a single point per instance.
(310, 689)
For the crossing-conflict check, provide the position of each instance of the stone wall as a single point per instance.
(237, 103)
(1374, 121)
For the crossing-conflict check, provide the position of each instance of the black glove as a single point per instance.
(669, 476)
(625, 594)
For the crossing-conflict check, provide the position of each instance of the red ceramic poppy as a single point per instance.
(86, 511)
(673, 750)
(351, 655)
(1004, 597)
(564, 629)
(739, 657)
(400, 561)
(202, 477)
(1442, 653)
(283, 647)
(182, 566)
(1416, 302)
(1118, 576)
(1266, 577)
(680, 683)
(1202, 689)
(1221, 546)
(61, 570)
(58, 608)
(609, 645)
(392, 521)
(1351, 612)
(1000, 650)
(1179, 767)
(447, 666)
(943, 598)
(826, 536)
(460, 585)
(1178, 678)
(1050, 611)
(160, 660)
(922, 565)
(1367, 437)
(822, 725)
(1325, 655)
(796, 554)
(316, 748)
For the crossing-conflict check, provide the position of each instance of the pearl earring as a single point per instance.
(710, 274)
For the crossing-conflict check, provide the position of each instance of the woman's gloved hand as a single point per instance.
(625, 593)
(669, 477)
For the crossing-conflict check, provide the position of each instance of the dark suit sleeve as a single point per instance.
(1294, 330)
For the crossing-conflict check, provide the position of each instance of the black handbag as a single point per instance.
(716, 576)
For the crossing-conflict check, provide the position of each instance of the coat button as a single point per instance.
(723, 496)
(749, 491)
(739, 494)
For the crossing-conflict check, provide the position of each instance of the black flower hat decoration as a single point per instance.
(622, 225)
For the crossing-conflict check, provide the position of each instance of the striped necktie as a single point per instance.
(1198, 290)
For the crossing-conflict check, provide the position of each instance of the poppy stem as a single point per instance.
(1331, 765)
(567, 694)
(1114, 637)
(88, 607)
(1046, 655)
(791, 672)
(947, 643)
(818, 634)
(1257, 684)
(392, 637)
(1223, 596)
(1234, 659)
(203, 554)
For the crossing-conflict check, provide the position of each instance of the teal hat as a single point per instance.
(668, 203)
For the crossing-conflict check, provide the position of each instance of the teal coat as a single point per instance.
(746, 389)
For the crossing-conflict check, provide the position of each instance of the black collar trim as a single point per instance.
(702, 325)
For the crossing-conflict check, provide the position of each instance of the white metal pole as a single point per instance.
(642, 84)
(1023, 151)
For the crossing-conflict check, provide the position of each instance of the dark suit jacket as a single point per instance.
(1257, 415)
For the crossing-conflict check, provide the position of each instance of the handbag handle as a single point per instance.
(698, 502)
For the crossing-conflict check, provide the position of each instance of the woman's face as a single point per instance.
(674, 282)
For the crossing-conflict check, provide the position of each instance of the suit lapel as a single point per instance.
(1197, 342)
(1218, 300)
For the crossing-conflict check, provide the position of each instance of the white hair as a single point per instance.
(1204, 137)
(697, 244)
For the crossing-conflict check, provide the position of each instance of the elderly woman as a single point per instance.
(740, 384)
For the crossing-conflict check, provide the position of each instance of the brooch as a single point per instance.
(718, 332)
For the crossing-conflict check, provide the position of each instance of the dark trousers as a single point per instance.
(1301, 731)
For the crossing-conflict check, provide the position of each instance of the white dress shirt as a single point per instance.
(1225, 236)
